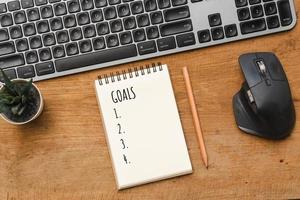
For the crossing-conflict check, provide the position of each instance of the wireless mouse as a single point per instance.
(264, 105)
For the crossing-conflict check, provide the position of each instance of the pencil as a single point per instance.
(195, 116)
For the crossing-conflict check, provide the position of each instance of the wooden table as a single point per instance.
(63, 154)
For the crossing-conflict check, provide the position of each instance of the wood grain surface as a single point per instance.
(64, 155)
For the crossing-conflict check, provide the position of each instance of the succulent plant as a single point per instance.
(14, 97)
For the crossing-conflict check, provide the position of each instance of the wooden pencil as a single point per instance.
(195, 116)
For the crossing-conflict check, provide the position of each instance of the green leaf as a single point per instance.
(8, 85)
(3, 108)
(21, 110)
(15, 109)
(26, 88)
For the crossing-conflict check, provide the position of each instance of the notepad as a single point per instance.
(142, 126)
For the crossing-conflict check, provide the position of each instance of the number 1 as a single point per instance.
(116, 114)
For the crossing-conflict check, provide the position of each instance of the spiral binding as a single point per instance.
(129, 73)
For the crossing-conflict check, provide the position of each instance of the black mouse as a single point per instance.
(264, 105)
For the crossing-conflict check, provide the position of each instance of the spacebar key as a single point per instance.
(96, 58)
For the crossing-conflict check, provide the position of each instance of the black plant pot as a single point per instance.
(32, 111)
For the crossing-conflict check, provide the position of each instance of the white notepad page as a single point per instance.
(143, 128)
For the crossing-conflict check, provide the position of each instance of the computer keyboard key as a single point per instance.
(139, 35)
(3, 34)
(72, 49)
(87, 4)
(60, 9)
(75, 34)
(46, 11)
(123, 10)
(125, 37)
(19, 17)
(100, 3)
(15, 32)
(89, 31)
(26, 72)
(285, 13)
(73, 6)
(10, 73)
(152, 32)
(29, 29)
(270, 8)
(231, 30)
(6, 20)
(150, 5)
(96, 15)
(42, 26)
(12, 61)
(40, 2)
(163, 4)
(49, 39)
(56, 24)
(204, 36)
(243, 14)
(35, 42)
(31, 57)
(116, 26)
(27, 3)
(22, 44)
(143, 20)
(98, 43)
(54, 1)
(44, 54)
(177, 13)
(85, 46)
(137, 7)
(13, 5)
(273, 22)
(7, 48)
(257, 11)
(44, 68)
(215, 19)
(251, 2)
(241, 3)
(83, 18)
(129, 23)
(176, 27)
(114, 2)
(102, 28)
(109, 13)
(33, 14)
(186, 39)
(3, 8)
(147, 47)
(178, 2)
(217, 33)
(253, 26)
(69, 21)
(112, 40)
(167, 43)
(98, 57)
(62, 37)
(58, 51)
(156, 17)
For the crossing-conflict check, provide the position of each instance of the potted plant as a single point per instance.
(20, 100)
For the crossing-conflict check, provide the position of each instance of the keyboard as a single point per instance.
(43, 39)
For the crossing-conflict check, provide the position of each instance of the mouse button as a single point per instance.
(250, 70)
(261, 95)
(274, 66)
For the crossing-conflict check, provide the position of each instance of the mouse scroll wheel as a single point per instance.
(250, 96)
(262, 67)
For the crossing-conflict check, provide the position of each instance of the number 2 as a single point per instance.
(119, 125)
